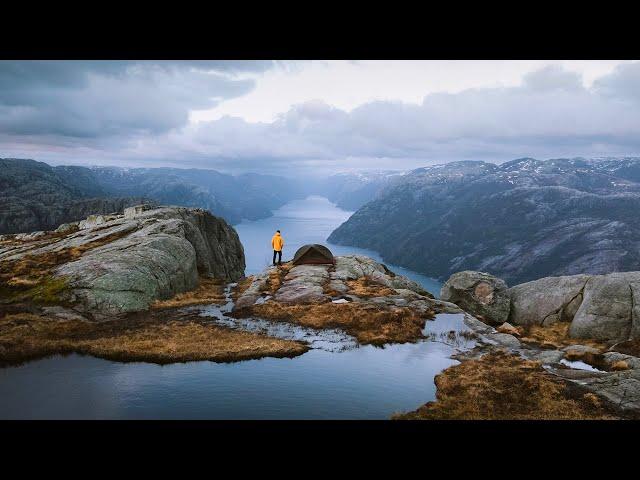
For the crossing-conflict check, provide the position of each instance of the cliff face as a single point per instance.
(521, 220)
(124, 264)
(37, 196)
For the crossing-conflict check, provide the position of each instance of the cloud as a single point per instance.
(136, 113)
(552, 78)
(107, 98)
(623, 83)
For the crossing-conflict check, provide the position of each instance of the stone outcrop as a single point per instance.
(599, 307)
(610, 309)
(478, 293)
(304, 284)
(315, 284)
(352, 267)
(546, 301)
(128, 263)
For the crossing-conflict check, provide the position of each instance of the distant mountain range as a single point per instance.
(37, 196)
(520, 220)
(350, 191)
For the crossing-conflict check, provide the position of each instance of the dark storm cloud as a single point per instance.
(106, 98)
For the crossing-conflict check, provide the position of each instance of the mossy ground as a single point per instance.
(364, 287)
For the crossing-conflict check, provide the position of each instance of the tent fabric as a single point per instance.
(313, 254)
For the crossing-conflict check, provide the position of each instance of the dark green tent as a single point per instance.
(313, 254)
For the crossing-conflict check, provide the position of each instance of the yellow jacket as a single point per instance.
(277, 242)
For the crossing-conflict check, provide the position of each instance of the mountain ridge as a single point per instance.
(520, 220)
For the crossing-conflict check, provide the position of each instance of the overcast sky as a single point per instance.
(316, 116)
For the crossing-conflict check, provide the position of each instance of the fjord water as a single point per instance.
(353, 383)
(307, 221)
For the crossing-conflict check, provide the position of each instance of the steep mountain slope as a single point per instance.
(37, 196)
(249, 196)
(521, 220)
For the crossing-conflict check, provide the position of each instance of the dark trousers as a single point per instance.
(279, 253)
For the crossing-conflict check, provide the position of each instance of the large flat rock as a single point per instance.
(304, 284)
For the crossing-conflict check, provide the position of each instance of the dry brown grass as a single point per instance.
(369, 324)
(147, 338)
(364, 287)
(500, 386)
(620, 365)
(209, 290)
(243, 285)
(276, 278)
(630, 347)
(555, 336)
(52, 235)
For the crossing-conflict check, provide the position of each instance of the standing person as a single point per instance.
(277, 242)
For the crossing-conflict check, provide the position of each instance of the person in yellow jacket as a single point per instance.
(277, 242)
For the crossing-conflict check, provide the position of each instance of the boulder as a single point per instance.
(611, 358)
(154, 256)
(580, 350)
(134, 211)
(478, 293)
(352, 267)
(608, 310)
(601, 307)
(504, 339)
(545, 357)
(545, 301)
